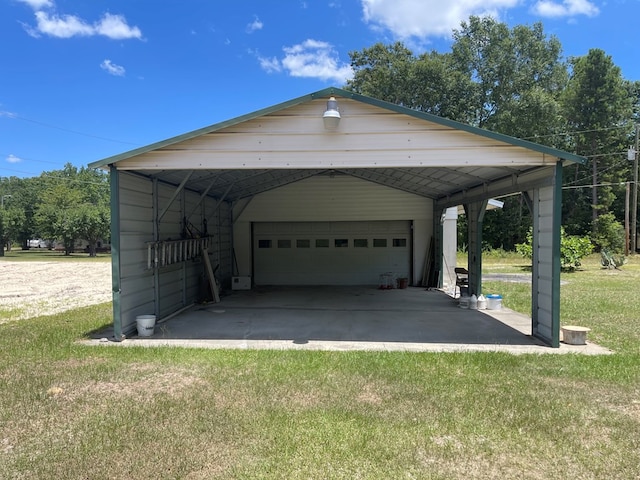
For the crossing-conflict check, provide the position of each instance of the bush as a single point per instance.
(608, 234)
(572, 249)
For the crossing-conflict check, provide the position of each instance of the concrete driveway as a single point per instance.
(349, 318)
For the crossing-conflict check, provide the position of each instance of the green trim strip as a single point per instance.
(353, 96)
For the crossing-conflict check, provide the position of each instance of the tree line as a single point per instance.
(60, 206)
(516, 81)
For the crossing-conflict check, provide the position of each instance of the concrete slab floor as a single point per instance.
(347, 318)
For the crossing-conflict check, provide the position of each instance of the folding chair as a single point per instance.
(462, 280)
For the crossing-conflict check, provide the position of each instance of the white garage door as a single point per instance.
(330, 253)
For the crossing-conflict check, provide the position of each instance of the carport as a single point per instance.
(331, 188)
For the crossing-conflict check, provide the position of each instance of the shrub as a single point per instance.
(608, 234)
(572, 249)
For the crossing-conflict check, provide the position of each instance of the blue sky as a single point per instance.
(84, 80)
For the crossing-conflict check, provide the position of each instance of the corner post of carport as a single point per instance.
(546, 264)
(114, 182)
(438, 245)
(475, 216)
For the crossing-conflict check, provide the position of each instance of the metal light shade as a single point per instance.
(331, 116)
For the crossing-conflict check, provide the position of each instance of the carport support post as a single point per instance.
(475, 216)
(114, 182)
(156, 238)
(438, 239)
(546, 265)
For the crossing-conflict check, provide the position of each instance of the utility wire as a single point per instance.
(43, 124)
(576, 131)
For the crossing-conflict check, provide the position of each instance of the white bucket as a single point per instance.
(494, 302)
(146, 325)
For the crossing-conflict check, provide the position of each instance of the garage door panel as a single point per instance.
(314, 255)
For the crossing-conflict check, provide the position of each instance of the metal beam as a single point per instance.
(202, 197)
(242, 209)
(540, 177)
(175, 195)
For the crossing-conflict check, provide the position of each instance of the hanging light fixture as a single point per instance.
(331, 117)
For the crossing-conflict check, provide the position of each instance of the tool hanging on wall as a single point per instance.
(210, 274)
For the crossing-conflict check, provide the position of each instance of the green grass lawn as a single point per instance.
(44, 255)
(71, 411)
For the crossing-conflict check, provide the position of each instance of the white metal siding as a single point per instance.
(136, 228)
(178, 285)
(341, 198)
(372, 136)
(542, 281)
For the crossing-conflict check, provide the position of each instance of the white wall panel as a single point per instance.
(342, 198)
(136, 227)
(178, 285)
(296, 136)
(543, 281)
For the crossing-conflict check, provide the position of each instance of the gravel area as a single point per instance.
(28, 289)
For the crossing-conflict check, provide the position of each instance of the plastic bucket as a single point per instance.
(146, 325)
(494, 302)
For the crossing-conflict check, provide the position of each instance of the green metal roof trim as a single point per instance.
(354, 96)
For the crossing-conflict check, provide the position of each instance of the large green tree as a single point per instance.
(598, 110)
(75, 206)
(20, 198)
(514, 77)
(506, 80)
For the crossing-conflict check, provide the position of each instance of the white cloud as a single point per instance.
(425, 18)
(566, 8)
(13, 159)
(270, 65)
(309, 59)
(62, 27)
(255, 25)
(38, 4)
(4, 113)
(67, 26)
(112, 69)
(116, 27)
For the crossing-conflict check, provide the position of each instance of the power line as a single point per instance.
(29, 159)
(611, 184)
(575, 132)
(48, 125)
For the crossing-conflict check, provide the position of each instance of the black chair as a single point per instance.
(462, 280)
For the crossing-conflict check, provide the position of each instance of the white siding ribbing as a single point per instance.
(542, 284)
(179, 284)
(367, 135)
(136, 228)
(342, 198)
